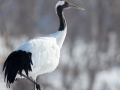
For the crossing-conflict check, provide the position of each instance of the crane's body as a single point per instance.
(45, 55)
(40, 55)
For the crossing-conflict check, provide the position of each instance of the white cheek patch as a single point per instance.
(60, 3)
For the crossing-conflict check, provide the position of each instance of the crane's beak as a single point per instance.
(76, 7)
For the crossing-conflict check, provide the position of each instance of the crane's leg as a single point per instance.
(37, 85)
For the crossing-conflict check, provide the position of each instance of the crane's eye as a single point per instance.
(66, 5)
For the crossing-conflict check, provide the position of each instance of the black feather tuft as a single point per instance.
(16, 62)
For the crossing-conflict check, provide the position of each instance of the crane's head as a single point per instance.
(65, 5)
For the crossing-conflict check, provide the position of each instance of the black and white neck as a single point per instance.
(61, 33)
(59, 11)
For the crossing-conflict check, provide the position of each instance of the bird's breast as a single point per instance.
(46, 60)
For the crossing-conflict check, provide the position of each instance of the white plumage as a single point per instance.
(45, 54)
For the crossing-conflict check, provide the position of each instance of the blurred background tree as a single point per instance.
(90, 58)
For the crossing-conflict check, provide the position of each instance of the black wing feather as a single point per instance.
(16, 62)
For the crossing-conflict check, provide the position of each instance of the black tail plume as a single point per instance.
(16, 62)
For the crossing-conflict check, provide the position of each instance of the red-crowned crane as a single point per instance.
(40, 55)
